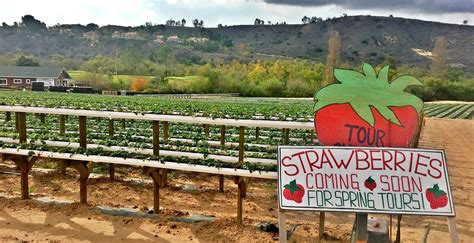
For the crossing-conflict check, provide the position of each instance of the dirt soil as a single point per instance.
(32, 220)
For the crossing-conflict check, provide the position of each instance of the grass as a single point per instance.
(76, 74)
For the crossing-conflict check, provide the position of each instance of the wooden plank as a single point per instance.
(62, 124)
(453, 232)
(169, 118)
(144, 162)
(83, 131)
(191, 155)
(282, 236)
(398, 238)
(156, 138)
(257, 133)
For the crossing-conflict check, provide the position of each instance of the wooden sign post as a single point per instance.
(363, 109)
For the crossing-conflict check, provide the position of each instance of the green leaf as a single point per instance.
(387, 114)
(370, 180)
(383, 74)
(348, 76)
(368, 70)
(402, 82)
(364, 112)
(292, 186)
(436, 191)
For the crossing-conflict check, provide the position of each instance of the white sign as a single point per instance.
(362, 179)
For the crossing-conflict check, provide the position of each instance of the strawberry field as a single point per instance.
(183, 142)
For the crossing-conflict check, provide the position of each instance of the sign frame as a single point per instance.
(452, 213)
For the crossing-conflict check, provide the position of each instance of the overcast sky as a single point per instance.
(228, 12)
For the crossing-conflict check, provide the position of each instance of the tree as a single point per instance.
(138, 84)
(183, 22)
(30, 23)
(26, 61)
(333, 59)
(195, 23)
(201, 24)
(438, 63)
(305, 19)
(465, 21)
(91, 27)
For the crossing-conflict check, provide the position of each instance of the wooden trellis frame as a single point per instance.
(156, 169)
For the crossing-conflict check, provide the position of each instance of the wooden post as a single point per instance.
(257, 133)
(222, 135)
(123, 124)
(242, 191)
(287, 136)
(62, 124)
(453, 232)
(111, 166)
(206, 130)
(16, 121)
(165, 130)
(361, 227)
(24, 164)
(156, 138)
(221, 177)
(311, 136)
(156, 176)
(8, 116)
(241, 144)
(81, 167)
(42, 118)
(322, 216)
(282, 237)
(399, 221)
(83, 131)
(111, 128)
(21, 120)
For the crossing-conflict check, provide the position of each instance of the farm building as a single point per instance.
(19, 77)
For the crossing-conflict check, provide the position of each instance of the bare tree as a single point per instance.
(333, 59)
(438, 64)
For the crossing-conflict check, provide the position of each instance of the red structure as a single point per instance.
(20, 77)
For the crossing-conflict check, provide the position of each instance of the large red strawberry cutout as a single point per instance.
(365, 109)
(436, 197)
(293, 191)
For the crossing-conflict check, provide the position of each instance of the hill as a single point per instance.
(373, 39)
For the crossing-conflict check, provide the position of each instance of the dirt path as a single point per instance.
(32, 220)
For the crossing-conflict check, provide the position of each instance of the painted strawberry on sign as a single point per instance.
(436, 197)
(370, 184)
(293, 191)
(365, 109)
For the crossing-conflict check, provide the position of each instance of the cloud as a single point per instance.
(424, 6)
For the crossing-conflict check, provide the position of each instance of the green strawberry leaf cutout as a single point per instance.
(436, 191)
(292, 186)
(370, 180)
(365, 90)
